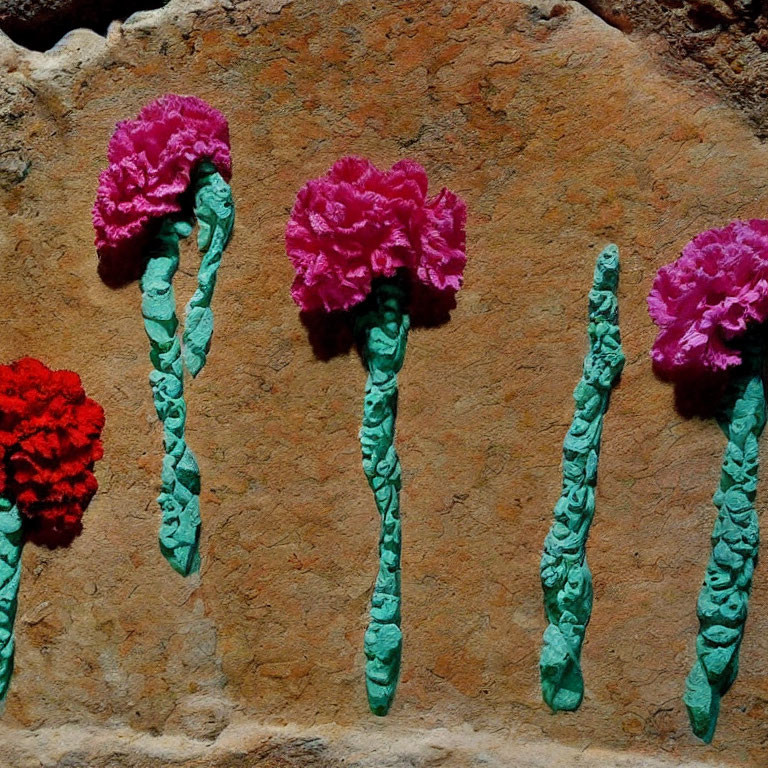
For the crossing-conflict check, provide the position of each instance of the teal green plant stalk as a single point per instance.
(215, 214)
(565, 575)
(382, 327)
(179, 497)
(11, 544)
(723, 600)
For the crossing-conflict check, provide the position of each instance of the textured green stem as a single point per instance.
(11, 544)
(724, 596)
(215, 215)
(382, 326)
(179, 497)
(180, 492)
(565, 575)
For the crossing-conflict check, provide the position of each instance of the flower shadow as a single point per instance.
(120, 266)
(697, 394)
(332, 334)
(50, 536)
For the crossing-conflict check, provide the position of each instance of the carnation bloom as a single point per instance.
(708, 297)
(359, 233)
(357, 222)
(710, 306)
(170, 162)
(151, 161)
(49, 441)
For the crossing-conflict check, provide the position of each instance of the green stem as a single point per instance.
(565, 575)
(11, 544)
(382, 326)
(724, 596)
(180, 491)
(215, 213)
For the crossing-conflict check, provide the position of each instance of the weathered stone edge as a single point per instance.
(82, 47)
(320, 746)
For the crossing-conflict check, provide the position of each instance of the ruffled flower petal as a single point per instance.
(50, 438)
(151, 161)
(357, 223)
(709, 297)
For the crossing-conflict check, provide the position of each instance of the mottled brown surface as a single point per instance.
(720, 42)
(562, 135)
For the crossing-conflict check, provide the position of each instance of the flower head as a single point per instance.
(357, 222)
(151, 160)
(49, 441)
(709, 297)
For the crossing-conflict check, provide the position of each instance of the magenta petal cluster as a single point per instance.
(358, 222)
(708, 297)
(151, 160)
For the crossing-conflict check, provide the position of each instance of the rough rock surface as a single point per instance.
(724, 42)
(39, 24)
(562, 134)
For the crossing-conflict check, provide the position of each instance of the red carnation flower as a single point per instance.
(49, 441)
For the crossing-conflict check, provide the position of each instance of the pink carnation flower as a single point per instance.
(357, 222)
(708, 297)
(341, 225)
(151, 160)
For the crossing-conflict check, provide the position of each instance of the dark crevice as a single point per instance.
(613, 17)
(40, 24)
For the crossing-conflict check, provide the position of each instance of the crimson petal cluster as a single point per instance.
(49, 441)
(358, 222)
(708, 297)
(151, 161)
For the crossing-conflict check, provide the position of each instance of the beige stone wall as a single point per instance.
(562, 134)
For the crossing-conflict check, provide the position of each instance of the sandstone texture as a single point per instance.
(563, 134)
(721, 42)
